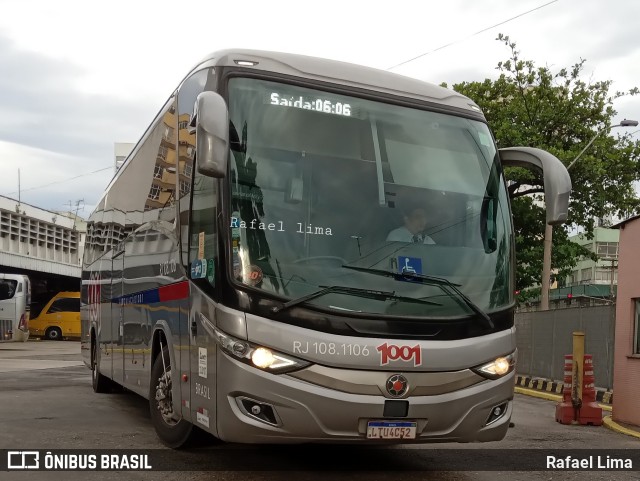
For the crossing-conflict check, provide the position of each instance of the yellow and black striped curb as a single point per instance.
(555, 387)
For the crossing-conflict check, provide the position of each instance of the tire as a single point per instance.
(173, 434)
(53, 334)
(101, 384)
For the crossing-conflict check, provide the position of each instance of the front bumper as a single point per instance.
(307, 412)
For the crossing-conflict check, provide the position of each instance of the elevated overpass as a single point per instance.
(47, 246)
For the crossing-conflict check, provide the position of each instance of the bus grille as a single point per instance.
(5, 330)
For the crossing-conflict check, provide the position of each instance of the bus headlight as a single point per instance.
(497, 368)
(258, 356)
(262, 358)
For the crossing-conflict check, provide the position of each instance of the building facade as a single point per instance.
(36, 239)
(626, 375)
(604, 271)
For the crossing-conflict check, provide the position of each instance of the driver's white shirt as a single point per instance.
(402, 234)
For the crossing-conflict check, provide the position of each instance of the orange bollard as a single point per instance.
(565, 412)
(590, 412)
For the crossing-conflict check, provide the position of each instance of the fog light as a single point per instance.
(497, 412)
(262, 357)
(258, 410)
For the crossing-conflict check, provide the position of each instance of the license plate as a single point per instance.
(391, 430)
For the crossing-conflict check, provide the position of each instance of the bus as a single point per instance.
(59, 318)
(304, 250)
(15, 306)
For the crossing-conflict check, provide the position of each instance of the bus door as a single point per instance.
(203, 360)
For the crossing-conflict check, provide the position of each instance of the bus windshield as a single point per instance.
(331, 190)
(7, 289)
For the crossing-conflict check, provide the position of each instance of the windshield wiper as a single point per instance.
(355, 291)
(436, 281)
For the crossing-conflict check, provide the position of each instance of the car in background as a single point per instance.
(59, 319)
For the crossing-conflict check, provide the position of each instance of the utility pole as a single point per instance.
(75, 214)
(612, 276)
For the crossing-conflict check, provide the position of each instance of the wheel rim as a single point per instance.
(53, 334)
(163, 398)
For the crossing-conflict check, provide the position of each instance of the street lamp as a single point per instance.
(548, 230)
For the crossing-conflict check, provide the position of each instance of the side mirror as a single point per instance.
(557, 183)
(211, 121)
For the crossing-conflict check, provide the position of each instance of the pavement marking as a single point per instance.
(614, 426)
(549, 396)
(19, 365)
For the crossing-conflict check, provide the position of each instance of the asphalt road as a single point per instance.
(47, 403)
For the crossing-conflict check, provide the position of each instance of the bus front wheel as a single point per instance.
(100, 383)
(173, 433)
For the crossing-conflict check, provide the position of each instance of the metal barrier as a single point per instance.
(543, 338)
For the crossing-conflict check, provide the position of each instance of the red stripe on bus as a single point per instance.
(174, 292)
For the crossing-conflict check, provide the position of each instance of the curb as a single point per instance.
(547, 393)
(555, 387)
(614, 426)
(550, 396)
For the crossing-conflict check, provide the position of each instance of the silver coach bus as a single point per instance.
(304, 250)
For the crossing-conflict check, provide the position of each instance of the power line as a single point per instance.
(63, 180)
(473, 34)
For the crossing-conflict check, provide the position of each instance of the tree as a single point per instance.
(558, 112)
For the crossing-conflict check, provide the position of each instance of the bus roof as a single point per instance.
(334, 71)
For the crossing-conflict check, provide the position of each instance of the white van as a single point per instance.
(15, 301)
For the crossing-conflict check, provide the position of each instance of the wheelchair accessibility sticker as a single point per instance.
(409, 265)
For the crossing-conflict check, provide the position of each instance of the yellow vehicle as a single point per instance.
(59, 319)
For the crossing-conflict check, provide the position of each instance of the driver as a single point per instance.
(415, 222)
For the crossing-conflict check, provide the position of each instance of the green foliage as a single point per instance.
(559, 112)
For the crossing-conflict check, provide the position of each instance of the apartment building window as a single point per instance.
(188, 170)
(607, 250)
(586, 274)
(604, 274)
(168, 133)
(162, 152)
(184, 187)
(183, 124)
(573, 278)
(154, 192)
(157, 172)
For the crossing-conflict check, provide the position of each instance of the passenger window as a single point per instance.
(55, 307)
(65, 305)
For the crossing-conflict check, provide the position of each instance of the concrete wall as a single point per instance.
(544, 337)
(626, 401)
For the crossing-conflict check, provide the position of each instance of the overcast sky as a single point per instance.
(77, 76)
